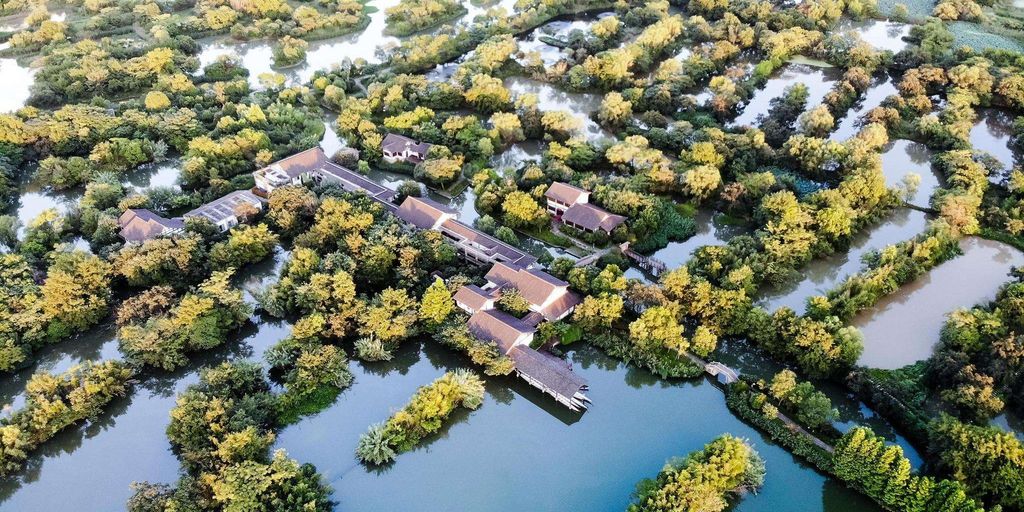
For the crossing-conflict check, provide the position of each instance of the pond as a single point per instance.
(549, 97)
(992, 134)
(823, 274)
(817, 79)
(257, 56)
(902, 157)
(14, 91)
(904, 326)
(883, 35)
(159, 174)
(712, 229)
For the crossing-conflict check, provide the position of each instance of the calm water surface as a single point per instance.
(904, 327)
(711, 230)
(992, 134)
(817, 79)
(549, 97)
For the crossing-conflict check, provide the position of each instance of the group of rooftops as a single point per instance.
(549, 298)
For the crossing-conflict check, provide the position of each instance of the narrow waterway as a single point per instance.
(904, 327)
(850, 124)
(820, 275)
(992, 134)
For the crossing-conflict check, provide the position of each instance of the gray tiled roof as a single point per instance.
(552, 372)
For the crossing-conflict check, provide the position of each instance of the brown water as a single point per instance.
(904, 327)
(849, 125)
(902, 157)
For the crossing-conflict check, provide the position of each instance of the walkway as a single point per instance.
(652, 265)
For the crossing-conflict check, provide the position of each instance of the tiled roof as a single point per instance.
(473, 297)
(536, 286)
(355, 182)
(565, 193)
(422, 212)
(553, 373)
(139, 224)
(395, 143)
(591, 217)
(487, 244)
(499, 327)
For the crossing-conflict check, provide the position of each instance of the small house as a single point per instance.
(560, 196)
(139, 224)
(401, 149)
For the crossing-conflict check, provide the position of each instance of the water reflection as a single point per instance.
(549, 97)
(904, 326)
(637, 422)
(992, 134)
(902, 157)
(849, 125)
(753, 362)
(257, 56)
(883, 35)
(712, 229)
(817, 79)
(14, 91)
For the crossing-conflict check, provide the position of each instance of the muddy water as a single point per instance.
(823, 274)
(904, 327)
(902, 157)
(549, 97)
(711, 230)
(817, 79)
(849, 125)
(992, 134)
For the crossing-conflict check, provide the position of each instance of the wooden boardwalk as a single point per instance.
(653, 266)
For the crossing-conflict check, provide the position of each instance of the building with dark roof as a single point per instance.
(560, 196)
(587, 217)
(224, 212)
(549, 299)
(140, 224)
(550, 375)
(473, 245)
(424, 213)
(399, 148)
(571, 205)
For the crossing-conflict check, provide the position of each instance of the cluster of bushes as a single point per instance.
(54, 402)
(881, 471)
(703, 479)
(222, 429)
(749, 405)
(422, 416)
(353, 265)
(456, 336)
(154, 332)
(414, 15)
(977, 367)
(74, 296)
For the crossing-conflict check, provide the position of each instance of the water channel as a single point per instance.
(904, 327)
